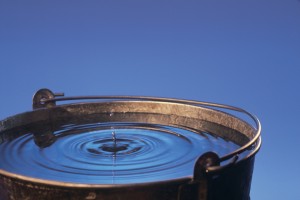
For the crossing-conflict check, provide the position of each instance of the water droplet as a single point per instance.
(114, 138)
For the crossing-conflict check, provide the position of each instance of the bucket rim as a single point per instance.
(254, 143)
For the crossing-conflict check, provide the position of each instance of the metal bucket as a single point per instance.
(213, 177)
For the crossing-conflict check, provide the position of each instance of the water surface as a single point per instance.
(109, 153)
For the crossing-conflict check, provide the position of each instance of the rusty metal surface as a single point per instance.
(142, 111)
(14, 189)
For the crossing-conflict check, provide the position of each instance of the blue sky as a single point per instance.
(242, 53)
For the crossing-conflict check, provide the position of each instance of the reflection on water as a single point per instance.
(97, 154)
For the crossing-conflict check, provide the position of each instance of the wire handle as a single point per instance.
(45, 98)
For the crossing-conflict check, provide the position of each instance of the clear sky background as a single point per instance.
(243, 53)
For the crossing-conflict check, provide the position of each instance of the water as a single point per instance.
(109, 153)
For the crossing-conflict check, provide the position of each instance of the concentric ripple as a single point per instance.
(114, 153)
